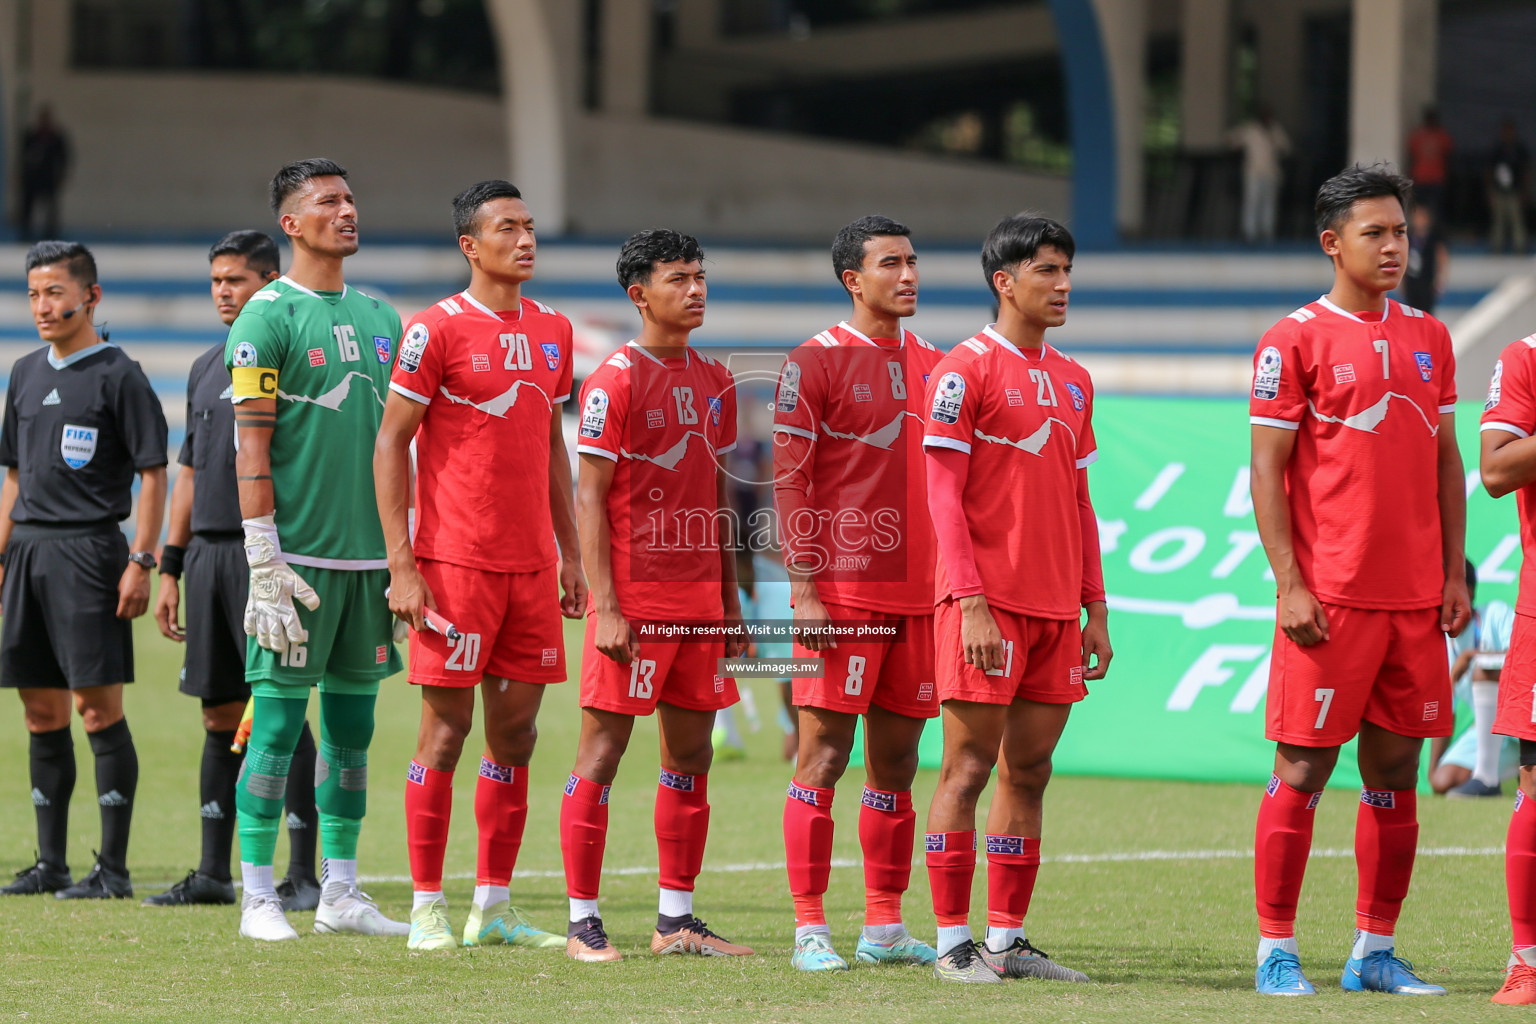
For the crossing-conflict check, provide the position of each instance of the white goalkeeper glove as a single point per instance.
(270, 616)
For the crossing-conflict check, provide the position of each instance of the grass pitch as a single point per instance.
(1147, 888)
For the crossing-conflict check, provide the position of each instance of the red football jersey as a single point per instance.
(490, 381)
(662, 421)
(1026, 418)
(1364, 393)
(1511, 406)
(848, 468)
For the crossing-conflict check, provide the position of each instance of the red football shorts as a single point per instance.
(683, 673)
(1517, 683)
(1388, 668)
(896, 675)
(508, 623)
(1042, 660)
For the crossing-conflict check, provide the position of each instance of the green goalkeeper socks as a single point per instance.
(263, 778)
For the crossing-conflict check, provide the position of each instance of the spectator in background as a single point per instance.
(1508, 168)
(1476, 762)
(1263, 143)
(1428, 260)
(44, 164)
(1429, 151)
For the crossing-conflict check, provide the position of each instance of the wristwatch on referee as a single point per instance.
(144, 560)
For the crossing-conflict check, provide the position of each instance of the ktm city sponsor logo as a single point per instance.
(1383, 798)
(495, 772)
(676, 780)
(802, 794)
(876, 800)
(417, 773)
(1005, 844)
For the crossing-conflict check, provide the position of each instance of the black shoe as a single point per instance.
(101, 884)
(1474, 789)
(195, 888)
(38, 879)
(302, 893)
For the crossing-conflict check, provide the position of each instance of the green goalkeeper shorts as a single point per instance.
(350, 646)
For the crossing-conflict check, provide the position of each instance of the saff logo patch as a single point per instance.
(1266, 374)
(551, 354)
(947, 399)
(1426, 365)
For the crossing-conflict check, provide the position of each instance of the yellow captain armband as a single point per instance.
(253, 382)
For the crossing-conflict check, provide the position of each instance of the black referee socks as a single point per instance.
(53, 783)
(303, 818)
(117, 778)
(221, 767)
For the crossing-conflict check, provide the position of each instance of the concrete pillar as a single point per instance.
(1282, 63)
(1123, 24)
(1391, 74)
(536, 90)
(626, 57)
(1205, 77)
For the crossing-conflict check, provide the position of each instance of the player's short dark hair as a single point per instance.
(1339, 194)
(257, 247)
(641, 252)
(848, 246)
(1471, 581)
(291, 177)
(1018, 238)
(466, 205)
(77, 259)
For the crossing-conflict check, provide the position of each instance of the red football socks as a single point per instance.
(501, 812)
(682, 827)
(583, 834)
(1012, 864)
(808, 849)
(428, 806)
(1520, 871)
(887, 829)
(1281, 847)
(1386, 837)
(951, 868)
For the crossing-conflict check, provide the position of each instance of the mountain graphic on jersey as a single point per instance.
(1369, 419)
(499, 405)
(670, 458)
(882, 438)
(1034, 443)
(337, 396)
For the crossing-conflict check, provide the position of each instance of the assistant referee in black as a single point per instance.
(205, 552)
(80, 420)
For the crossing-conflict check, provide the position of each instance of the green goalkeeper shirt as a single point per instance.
(326, 358)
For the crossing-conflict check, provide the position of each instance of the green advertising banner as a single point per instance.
(1192, 600)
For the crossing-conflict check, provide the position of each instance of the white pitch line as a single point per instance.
(1124, 857)
(1129, 856)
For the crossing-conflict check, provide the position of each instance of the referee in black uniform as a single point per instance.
(205, 549)
(80, 420)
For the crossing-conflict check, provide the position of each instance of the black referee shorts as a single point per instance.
(215, 581)
(59, 598)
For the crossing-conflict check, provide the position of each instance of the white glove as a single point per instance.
(269, 612)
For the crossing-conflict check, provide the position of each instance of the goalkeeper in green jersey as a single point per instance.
(310, 359)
